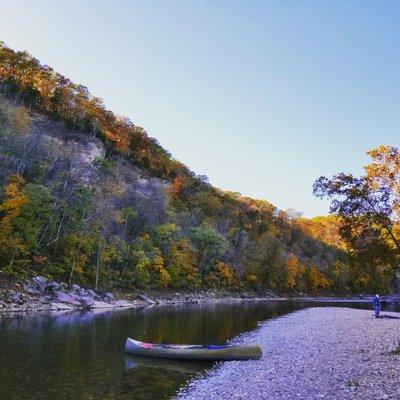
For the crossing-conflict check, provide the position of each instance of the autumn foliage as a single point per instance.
(140, 218)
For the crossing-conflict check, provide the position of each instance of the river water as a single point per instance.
(80, 356)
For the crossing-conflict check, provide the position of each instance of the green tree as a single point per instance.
(211, 246)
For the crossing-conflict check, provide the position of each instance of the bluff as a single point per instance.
(87, 197)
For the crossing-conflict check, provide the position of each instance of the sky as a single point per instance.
(263, 97)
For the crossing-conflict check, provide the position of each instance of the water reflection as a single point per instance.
(180, 366)
(81, 355)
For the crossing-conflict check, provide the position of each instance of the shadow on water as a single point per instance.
(81, 355)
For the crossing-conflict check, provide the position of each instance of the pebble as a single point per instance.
(316, 353)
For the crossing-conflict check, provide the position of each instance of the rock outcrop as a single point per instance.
(41, 294)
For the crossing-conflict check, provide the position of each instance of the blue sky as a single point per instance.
(263, 97)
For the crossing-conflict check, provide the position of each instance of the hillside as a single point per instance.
(88, 197)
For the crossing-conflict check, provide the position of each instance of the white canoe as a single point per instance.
(194, 352)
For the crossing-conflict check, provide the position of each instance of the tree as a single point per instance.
(292, 271)
(12, 246)
(163, 236)
(211, 246)
(360, 204)
(160, 276)
(263, 262)
(136, 229)
(224, 274)
(368, 208)
(182, 268)
(76, 250)
(317, 279)
(36, 216)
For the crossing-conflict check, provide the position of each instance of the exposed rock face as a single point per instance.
(83, 155)
(151, 187)
(80, 150)
(80, 154)
(42, 294)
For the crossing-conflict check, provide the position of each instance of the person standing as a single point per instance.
(377, 305)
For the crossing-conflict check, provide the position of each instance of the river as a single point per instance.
(80, 356)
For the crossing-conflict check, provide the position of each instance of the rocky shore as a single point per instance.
(315, 353)
(41, 294)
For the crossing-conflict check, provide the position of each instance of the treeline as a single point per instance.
(102, 230)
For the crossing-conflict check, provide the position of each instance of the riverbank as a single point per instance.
(40, 294)
(316, 353)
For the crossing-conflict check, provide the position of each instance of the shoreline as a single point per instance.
(42, 295)
(316, 353)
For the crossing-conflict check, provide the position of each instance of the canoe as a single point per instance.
(194, 352)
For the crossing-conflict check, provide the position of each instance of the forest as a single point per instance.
(88, 197)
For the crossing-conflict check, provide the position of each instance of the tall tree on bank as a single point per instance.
(368, 207)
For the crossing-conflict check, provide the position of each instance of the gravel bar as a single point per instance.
(316, 353)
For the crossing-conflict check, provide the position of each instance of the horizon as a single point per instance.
(285, 149)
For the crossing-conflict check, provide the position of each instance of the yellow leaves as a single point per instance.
(225, 274)
(384, 173)
(16, 232)
(145, 236)
(177, 185)
(182, 268)
(183, 254)
(109, 253)
(161, 276)
(318, 279)
(211, 279)
(76, 250)
(252, 279)
(165, 231)
(152, 271)
(292, 270)
(385, 166)
(15, 199)
(209, 203)
(363, 280)
(324, 229)
(142, 270)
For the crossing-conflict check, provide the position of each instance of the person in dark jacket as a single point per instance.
(377, 305)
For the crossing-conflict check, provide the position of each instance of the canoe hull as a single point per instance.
(210, 353)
